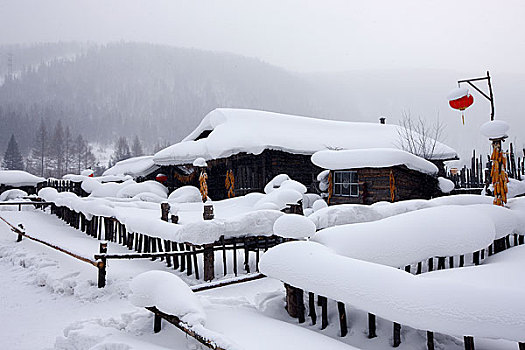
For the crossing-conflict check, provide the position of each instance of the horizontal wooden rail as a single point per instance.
(228, 282)
(186, 328)
(23, 234)
(26, 203)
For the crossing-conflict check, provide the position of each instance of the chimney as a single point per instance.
(382, 120)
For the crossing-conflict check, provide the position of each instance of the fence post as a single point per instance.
(103, 249)
(209, 262)
(469, 343)
(342, 318)
(397, 334)
(164, 211)
(371, 326)
(156, 323)
(430, 340)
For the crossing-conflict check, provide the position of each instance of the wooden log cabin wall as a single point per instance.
(375, 185)
(251, 172)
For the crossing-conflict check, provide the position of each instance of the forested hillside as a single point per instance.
(155, 92)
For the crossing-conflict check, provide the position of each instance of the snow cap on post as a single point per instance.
(495, 129)
(294, 226)
(169, 294)
(200, 162)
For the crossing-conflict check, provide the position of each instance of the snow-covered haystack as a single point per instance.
(294, 226)
(412, 237)
(185, 194)
(436, 304)
(18, 178)
(168, 293)
(12, 195)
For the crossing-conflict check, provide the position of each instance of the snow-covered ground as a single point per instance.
(50, 300)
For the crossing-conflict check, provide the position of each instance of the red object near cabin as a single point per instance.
(161, 178)
(462, 103)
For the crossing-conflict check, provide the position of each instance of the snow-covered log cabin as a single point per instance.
(367, 176)
(257, 145)
(18, 179)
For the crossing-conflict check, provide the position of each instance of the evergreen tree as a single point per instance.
(78, 152)
(68, 154)
(136, 148)
(36, 161)
(121, 150)
(12, 156)
(56, 151)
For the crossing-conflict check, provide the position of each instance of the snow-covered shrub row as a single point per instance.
(436, 304)
(169, 294)
(415, 236)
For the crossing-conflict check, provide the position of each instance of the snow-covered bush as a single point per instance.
(132, 190)
(294, 226)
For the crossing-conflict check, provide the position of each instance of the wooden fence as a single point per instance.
(183, 256)
(64, 186)
(295, 297)
(473, 178)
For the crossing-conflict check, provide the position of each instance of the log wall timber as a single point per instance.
(374, 186)
(251, 172)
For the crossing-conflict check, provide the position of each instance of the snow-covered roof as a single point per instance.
(136, 166)
(19, 178)
(225, 131)
(372, 158)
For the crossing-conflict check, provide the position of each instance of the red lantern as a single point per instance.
(161, 178)
(460, 99)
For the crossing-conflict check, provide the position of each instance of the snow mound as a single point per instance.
(445, 185)
(516, 188)
(293, 185)
(336, 215)
(495, 129)
(87, 172)
(200, 162)
(17, 178)
(372, 158)
(169, 294)
(275, 183)
(294, 226)
(132, 190)
(412, 237)
(281, 197)
(437, 304)
(109, 189)
(12, 194)
(136, 166)
(319, 204)
(185, 194)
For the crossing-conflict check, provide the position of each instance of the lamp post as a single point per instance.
(496, 131)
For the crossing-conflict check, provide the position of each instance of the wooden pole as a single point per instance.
(342, 318)
(311, 307)
(469, 343)
(209, 262)
(103, 249)
(430, 340)
(324, 310)
(157, 323)
(371, 326)
(299, 295)
(397, 335)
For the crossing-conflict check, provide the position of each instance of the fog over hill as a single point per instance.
(162, 92)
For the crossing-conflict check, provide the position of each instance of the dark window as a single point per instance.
(346, 184)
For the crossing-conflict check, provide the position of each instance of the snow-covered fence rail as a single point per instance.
(64, 186)
(309, 269)
(100, 264)
(184, 256)
(36, 204)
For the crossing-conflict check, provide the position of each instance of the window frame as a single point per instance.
(339, 189)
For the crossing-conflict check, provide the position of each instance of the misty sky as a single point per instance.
(301, 35)
(451, 39)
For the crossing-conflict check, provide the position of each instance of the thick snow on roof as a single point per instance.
(136, 166)
(242, 130)
(372, 158)
(18, 178)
